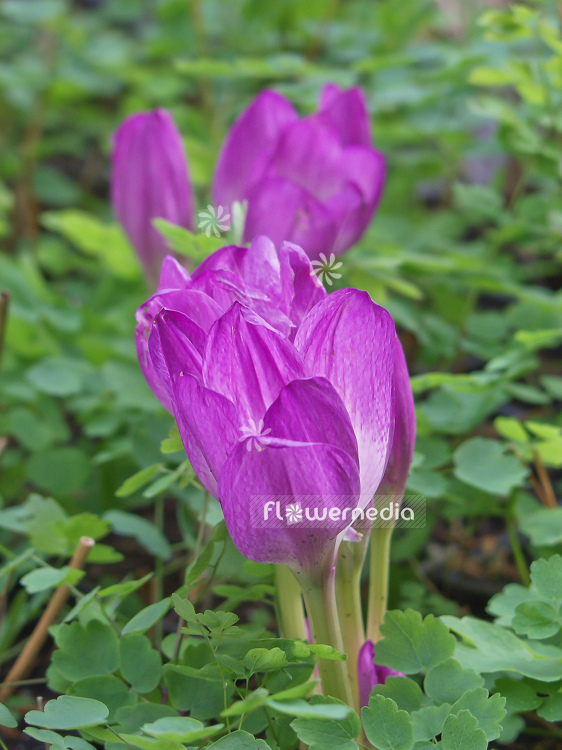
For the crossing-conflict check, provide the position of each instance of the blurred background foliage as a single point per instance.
(464, 251)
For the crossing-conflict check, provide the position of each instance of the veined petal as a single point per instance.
(175, 346)
(301, 287)
(400, 458)
(249, 362)
(209, 428)
(349, 339)
(248, 146)
(320, 475)
(173, 275)
(311, 411)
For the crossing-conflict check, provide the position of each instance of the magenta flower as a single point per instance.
(279, 391)
(370, 673)
(315, 181)
(150, 180)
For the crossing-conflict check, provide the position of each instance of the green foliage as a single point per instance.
(465, 254)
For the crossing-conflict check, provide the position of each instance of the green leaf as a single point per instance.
(184, 608)
(132, 718)
(411, 645)
(387, 727)
(147, 617)
(6, 718)
(47, 578)
(180, 729)
(511, 429)
(489, 711)
(146, 533)
(551, 710)
(325, 734)
(462, 733)
(447, 682)
(304, 710)
(121, 590)
(249, 703)
(403, 691)
(482, 463)
(536, 620)
(547, 579)
(141, 665)
(238, 740)
(60, 471)
(487, 647)
(75, 640)
(195, 246)
(138, 480)
(428, 721)
(57, 376)
(108, 689)
(68, 712)
(191, 691)
(264, 660)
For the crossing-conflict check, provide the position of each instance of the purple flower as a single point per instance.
(370, 673)
(150, 180)
(278, 390)
(314, 181)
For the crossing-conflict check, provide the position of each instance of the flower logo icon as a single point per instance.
(326, 268)
(255, 432)
(215, 220)
(293, 513)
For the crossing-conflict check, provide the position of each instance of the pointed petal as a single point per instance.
(175, 346)
(248, 362)
(349, 339)
(249, 144)
(310, 411)
(208, 426)
(366, 674)
(173, 275)
(301, 287)
(321, 476)
(346, 112)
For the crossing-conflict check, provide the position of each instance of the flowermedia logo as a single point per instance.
(326, 268)
(317, 512)
(215, 220)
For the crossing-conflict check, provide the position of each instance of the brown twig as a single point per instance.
(548, 491)
(26, 659)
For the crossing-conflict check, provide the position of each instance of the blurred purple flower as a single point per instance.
(370, 673)
(315, 181)
(277, 388)
(150, 180)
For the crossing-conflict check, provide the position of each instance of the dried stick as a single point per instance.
(26, 659)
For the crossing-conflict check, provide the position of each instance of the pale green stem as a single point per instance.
(319, 593)
(290, 608)
(378, 581)
(348, 593)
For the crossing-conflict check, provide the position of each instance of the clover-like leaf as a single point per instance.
(411, 645)
(69, 712)
(387, 727)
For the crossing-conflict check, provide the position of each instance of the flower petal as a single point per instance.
(346, 112)
(311, 411)
(248, 146)
(175, 346)
(320, 475)
(301, 287)
(209, 428)
(400, 458)
(349, 339)
(298, 217)
(248, 362)
(173, 275)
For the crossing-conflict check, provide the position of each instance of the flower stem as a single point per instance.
(290, 609)
(378, 581)
(348, 593)
(319, 593)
